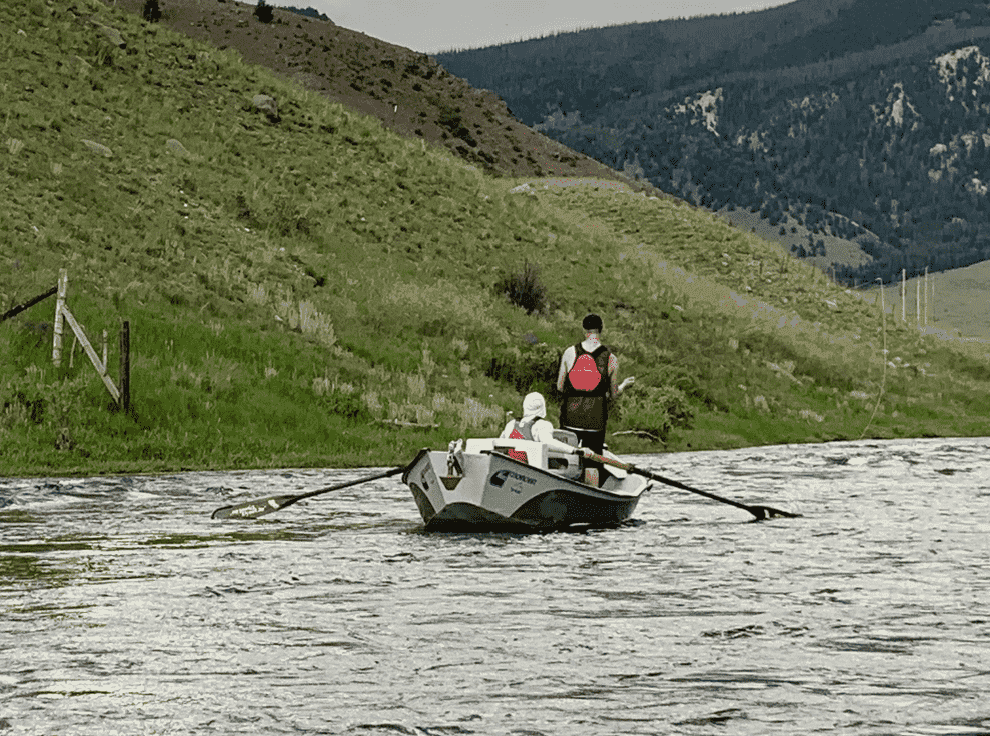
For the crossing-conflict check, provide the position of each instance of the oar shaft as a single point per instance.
(384, 474)
(706, 494)
(262, 506)
(760, 512)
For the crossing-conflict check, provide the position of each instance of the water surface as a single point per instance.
(126, 609)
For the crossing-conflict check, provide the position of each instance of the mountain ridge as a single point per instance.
(800, 134)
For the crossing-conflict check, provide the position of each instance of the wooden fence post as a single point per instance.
(91, 354)
(125, 367)
(63, 287)
(63, 315)
(903, 295)
(917, 302)
(933, 301)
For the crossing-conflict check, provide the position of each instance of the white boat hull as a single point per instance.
(497, 492)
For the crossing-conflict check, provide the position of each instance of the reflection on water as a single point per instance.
(126, 609)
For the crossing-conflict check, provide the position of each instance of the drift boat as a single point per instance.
(516, 485)
(510, 484)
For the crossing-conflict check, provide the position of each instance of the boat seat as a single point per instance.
(527, 451)
(564, 464)
(536, 453)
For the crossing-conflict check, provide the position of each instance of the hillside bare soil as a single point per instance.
(407, 91)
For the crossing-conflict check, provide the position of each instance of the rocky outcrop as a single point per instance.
(266, 104)
(98, 148)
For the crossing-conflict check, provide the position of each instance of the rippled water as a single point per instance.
(126, 609)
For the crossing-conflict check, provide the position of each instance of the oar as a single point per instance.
(262, 506)
(760, 512)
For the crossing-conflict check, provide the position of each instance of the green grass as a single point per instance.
(321, 292)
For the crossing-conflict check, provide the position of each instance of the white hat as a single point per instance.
(534, 405)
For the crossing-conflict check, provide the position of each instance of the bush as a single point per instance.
(450, 119)
(344, 405)
(656, 410)
(152, 12)
(264, 12)
(524, 289)
(531, 369)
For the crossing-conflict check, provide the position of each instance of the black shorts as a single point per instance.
(593, 439)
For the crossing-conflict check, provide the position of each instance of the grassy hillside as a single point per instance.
(956, 304)
(407, 91)
(307, 288)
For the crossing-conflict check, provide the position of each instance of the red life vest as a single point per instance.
(521, 431)
(584, 373)
(587, 390)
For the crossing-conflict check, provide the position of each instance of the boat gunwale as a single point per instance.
(583, 486)
(593, 491)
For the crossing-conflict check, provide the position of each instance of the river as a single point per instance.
(127, 610)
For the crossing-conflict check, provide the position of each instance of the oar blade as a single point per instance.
(767, 512)
(253, 509)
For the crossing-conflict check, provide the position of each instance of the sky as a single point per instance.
(431, 26)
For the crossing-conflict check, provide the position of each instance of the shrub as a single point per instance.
(345, 405)
(152, 12)
(656, 410)
(531, 369)
(525, 289)
(55, 409)
(450, 119)
(264, 12)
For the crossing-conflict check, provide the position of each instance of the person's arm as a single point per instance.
(613, 375)
(566, 360)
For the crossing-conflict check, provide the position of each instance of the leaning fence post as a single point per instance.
(63, 287)
(125, 367)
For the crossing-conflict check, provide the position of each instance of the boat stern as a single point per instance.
(492, 491)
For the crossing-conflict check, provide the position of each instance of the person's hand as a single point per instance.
(627, 383)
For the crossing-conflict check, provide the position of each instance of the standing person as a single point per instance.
(588, 382)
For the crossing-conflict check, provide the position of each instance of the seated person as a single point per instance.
(534, 426)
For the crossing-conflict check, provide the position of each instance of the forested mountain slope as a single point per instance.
(866, 119)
